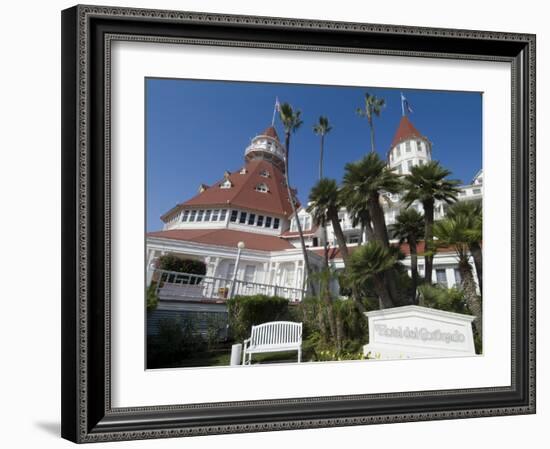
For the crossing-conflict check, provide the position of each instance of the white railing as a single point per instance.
(185, 286)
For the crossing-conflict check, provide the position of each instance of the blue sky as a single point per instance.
(195, 130)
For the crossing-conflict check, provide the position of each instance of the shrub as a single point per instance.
(215, 327)
(176, 340)
(318, 342)
(171, 262)
(246, 311)
(152, 297)
(439, 297)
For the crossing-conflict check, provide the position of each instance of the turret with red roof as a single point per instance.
(409, 147)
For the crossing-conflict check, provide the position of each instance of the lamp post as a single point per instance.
(240, 247)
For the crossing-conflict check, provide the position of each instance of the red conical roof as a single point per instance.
(243, 191)
(270, 132)
(405, 131)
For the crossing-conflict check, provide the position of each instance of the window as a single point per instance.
(251, 218)
(399, 170)
(276, 223)
(207, 215)
(476, 191)
(307, 223)
(458, 278)
(264, 174)
(185, 216)
(409, 165)
(267, 222)
(243, 171)
(420, 162)
(441, 276)
(408, 146)
(242, 218)
(193, 215)
(215, 213)
(223, 214)
(292, 225)
(200, 214)
(289, 277)
(419, 145)
(249, 272)
(262, 188)
(260, 220)
(230, 270)
(397, 151)
(226, 184)
(234, 214)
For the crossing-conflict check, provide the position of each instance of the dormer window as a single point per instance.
(226, 184)
(243, 171)
(264, 174)
(262, 188)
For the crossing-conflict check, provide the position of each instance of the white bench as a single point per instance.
(275, 336)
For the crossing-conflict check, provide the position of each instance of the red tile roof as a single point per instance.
(225, 237)
(334, 252)
(270, 132)
(406, 130)
(242, 194)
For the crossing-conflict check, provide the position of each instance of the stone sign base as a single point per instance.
(411, 332)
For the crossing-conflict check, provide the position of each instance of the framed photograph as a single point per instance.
(276, 224)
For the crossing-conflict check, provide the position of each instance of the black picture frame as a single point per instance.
(87, 415)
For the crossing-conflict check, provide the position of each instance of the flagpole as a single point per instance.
(274, 111)
(402, 105)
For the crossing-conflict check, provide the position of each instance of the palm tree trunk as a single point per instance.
(470, 294)
(475, 249)
(340, 239)
(428, 240)
(380, 231)
(291, 199)
(321, 157)
(325, 245)
(371, 126)
(414, 267)
(384, 299)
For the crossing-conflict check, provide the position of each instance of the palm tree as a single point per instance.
(472, 210)
(409, 227)
(324, 206)
(360, 215)
(453, 232)
(322, 129)
(371, 262)
(292, 121)
(373, 107)
(427, 183)
(365, 181)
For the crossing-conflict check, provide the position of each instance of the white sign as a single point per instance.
(417, 332)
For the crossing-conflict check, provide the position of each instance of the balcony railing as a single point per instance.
(171, 285)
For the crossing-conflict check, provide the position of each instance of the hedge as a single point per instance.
(170, 262)
(246, 311)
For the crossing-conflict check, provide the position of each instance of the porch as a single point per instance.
(185, 287)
